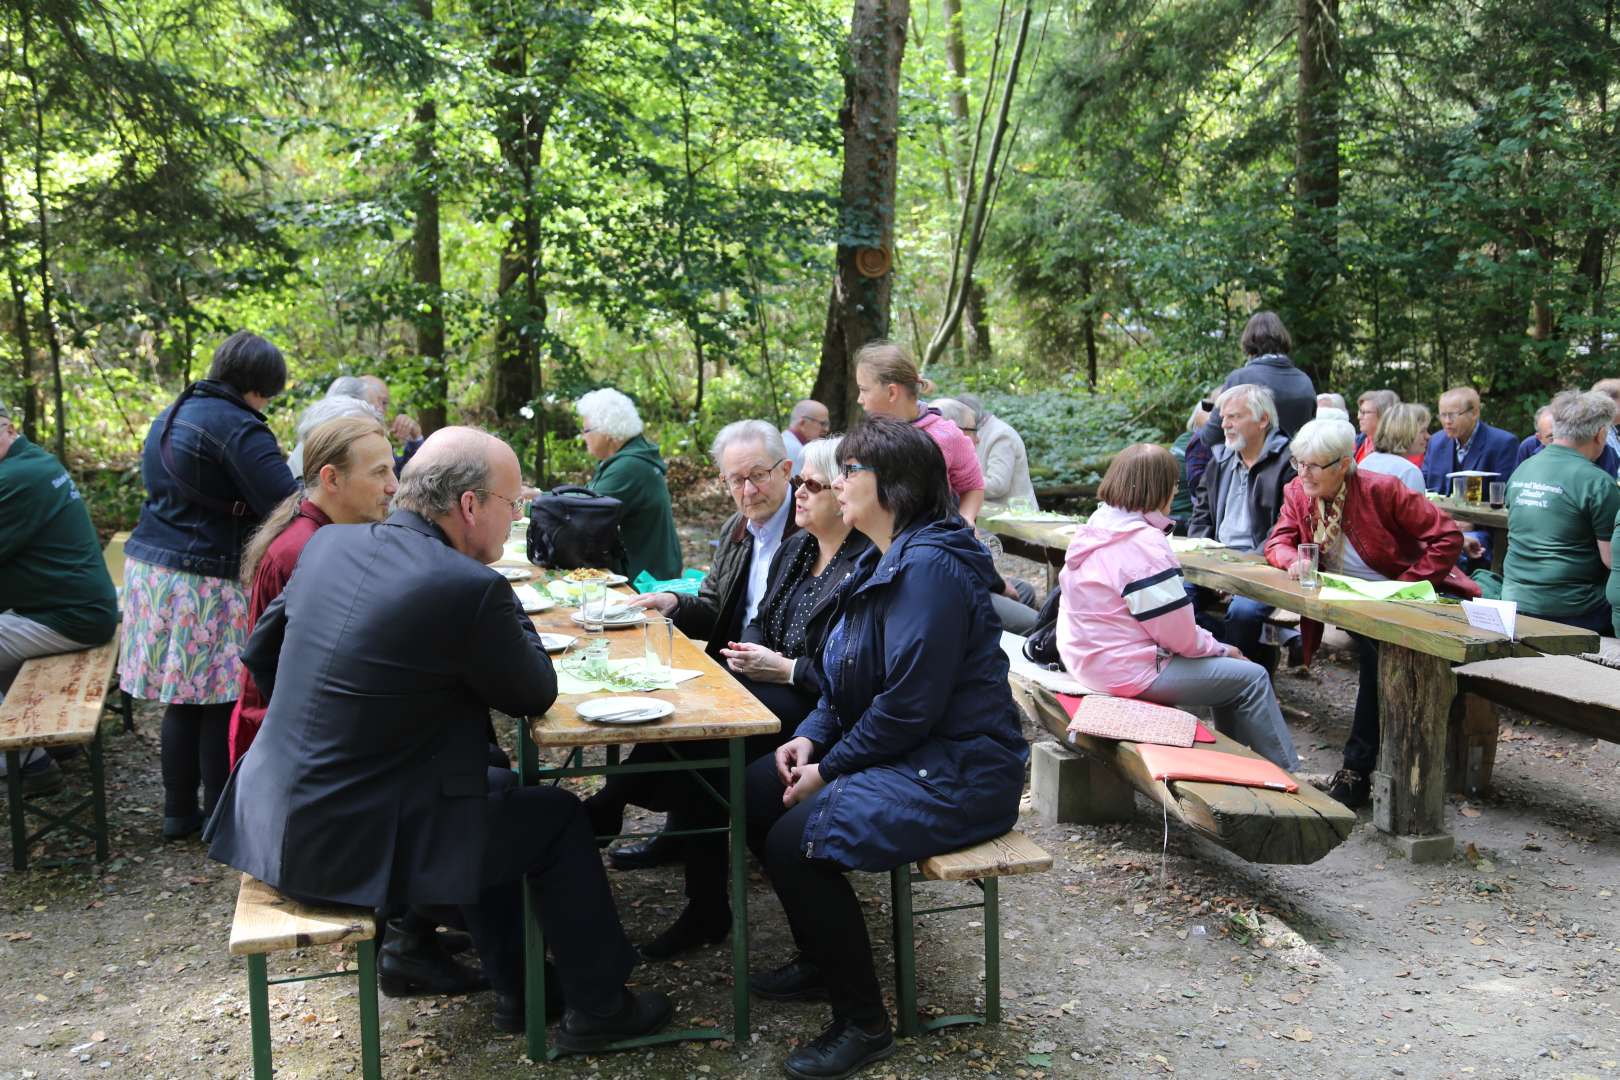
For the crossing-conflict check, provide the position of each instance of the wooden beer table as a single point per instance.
(712, 706)
(1494, 521)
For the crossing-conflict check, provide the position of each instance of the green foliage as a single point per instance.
(1070, 435)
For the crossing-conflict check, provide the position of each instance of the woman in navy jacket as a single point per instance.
(914, 748)
(212, 471)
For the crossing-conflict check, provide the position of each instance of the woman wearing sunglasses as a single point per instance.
(913, 749)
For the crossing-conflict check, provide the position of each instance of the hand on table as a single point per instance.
(661, 602)
(757, 662)
(1293, 568)
(806, 781)
(789, 755)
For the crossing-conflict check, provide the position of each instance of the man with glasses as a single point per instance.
(808, 423)
(1466, 442)
(756, 470)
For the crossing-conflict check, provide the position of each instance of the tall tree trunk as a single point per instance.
(858, 305)
(975, 323)
(47, 302)
(426, 268)
(25, 338)
(1089, 328)
(516, 345)
(1314, 254)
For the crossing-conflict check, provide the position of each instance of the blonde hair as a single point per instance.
(1399, 427)
(329, 443)
(891, 365)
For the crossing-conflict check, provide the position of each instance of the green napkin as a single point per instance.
(625, 675)
(1340, 587)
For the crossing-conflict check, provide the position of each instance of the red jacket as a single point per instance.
(1397, 531)
(268, 580)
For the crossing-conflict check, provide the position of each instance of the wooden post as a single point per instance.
(1409, 789)
(1470, 744)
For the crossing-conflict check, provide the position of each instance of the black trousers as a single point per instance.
(544, 834)
(689, 806)
(1361, 752)
(822, 910)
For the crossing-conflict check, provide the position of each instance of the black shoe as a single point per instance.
(641, 1014)
(796, 980)
(690, 931)
(1351, 788)
(178, 828)
(453, 942)
(646, 854)
(841, 1050)
(412, 963)
(41, 777)
(509, 1011)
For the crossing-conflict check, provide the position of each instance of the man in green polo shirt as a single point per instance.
(55, 593)
(1561, 518)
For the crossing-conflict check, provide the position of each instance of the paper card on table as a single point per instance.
(1341, 587)
(1499, 616)
(1214, 766)
(1128, 719)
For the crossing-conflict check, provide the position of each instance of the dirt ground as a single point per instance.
(1128, 959)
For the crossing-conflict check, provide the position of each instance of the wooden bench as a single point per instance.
(983, 864)
(1568, 691)
(268, 922)
(56, 701)
(1255, 824)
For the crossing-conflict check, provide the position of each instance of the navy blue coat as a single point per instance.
(916, 731)
(1490, 450)
(220, 448)
(1530, 446)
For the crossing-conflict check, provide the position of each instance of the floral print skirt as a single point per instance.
(183, 636)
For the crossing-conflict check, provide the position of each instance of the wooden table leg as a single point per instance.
(1471, 744)
(1415, 692)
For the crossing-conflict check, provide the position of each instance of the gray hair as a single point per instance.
(1332, 412)
(1262, 404)
(1334, 401)
(1545, 410)
(1325, 438)
(979, 411)
(330, 408)
(749, 431)
(347, 386)
(1382, 400)
(801, 410)
(821, 457)
(432, 488)
(956, 412)
(1580, 417)
(610, 412)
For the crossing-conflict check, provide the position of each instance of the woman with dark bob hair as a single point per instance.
(913, 749)
(212, 471)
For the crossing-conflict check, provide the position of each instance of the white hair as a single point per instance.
(347, 386)
(1262, 403)
(1332, 401)
(610, 412)
(750, 431)
(979, 412)
(330, 408)
(1579, 417)
(1329, 412)
(802, 409)
(821, 457)
(1325, 438)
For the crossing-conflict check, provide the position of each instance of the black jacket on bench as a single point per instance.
(381, 659)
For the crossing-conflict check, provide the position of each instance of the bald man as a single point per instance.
(1466, 441)
(367, 783)
(808, 423)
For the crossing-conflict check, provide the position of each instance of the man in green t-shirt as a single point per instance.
(1561, 515)
(55, 593)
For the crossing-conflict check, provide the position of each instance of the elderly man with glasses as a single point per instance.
(1466, 441)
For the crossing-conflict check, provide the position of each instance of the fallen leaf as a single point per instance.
(99, 1036)
(1468, 811)
(1301, 1034)
(20, 935)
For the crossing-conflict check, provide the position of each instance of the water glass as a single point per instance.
(658, 635)
(1459, 489)
(1309, 558)
(593, 599)
(1498, 494)
(1021, 504)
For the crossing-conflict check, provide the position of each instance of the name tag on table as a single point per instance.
(1498, 616)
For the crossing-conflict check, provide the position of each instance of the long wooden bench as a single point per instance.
(1567, 691)
(982, 864)
(267, 922)
(57, 701)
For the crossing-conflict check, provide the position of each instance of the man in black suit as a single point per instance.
(367, 784)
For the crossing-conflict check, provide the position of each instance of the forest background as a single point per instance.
(498, 205)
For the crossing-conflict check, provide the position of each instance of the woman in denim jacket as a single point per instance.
(212, 471)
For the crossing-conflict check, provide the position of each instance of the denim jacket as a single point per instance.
(221, 449)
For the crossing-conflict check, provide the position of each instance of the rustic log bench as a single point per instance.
(56, 701)
(268, 922)
(1095, 782)
(982, 864)
(1566, 691)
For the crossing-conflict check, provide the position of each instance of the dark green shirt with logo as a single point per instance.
(1559, 506)
(51, 570)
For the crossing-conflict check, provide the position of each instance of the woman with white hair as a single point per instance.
(1561, 512)
(1366, 525)
(630, 469)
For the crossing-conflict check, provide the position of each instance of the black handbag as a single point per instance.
(572, 527)
(1040, 645)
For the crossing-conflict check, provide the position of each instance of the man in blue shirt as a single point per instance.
(1466, 442)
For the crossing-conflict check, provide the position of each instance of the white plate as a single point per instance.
(514, 573)
(557, 642)
(602, 710)
(628, 617)
(532, 600)
(610, 581)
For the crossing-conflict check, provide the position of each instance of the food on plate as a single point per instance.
(585, 573)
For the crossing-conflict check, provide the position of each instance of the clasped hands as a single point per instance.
(794, 768)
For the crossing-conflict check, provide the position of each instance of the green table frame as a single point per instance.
(534, 945)
(259, 984)
(21, 807)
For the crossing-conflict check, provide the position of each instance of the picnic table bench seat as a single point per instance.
(268, 922)
(1569, 691)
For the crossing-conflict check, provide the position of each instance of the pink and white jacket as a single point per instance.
(1124, 609)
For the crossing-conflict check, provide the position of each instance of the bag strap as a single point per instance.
(236, 509)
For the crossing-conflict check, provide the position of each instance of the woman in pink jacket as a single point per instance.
(1125, 623)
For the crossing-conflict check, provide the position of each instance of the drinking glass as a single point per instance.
(1309, 556)
(1498, 494)
(1459, 489)
(593, 598)
(1021, 504)
(658, 635)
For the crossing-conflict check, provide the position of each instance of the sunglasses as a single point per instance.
(814, 487)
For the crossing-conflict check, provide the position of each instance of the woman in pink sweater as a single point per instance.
(1125, 623)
